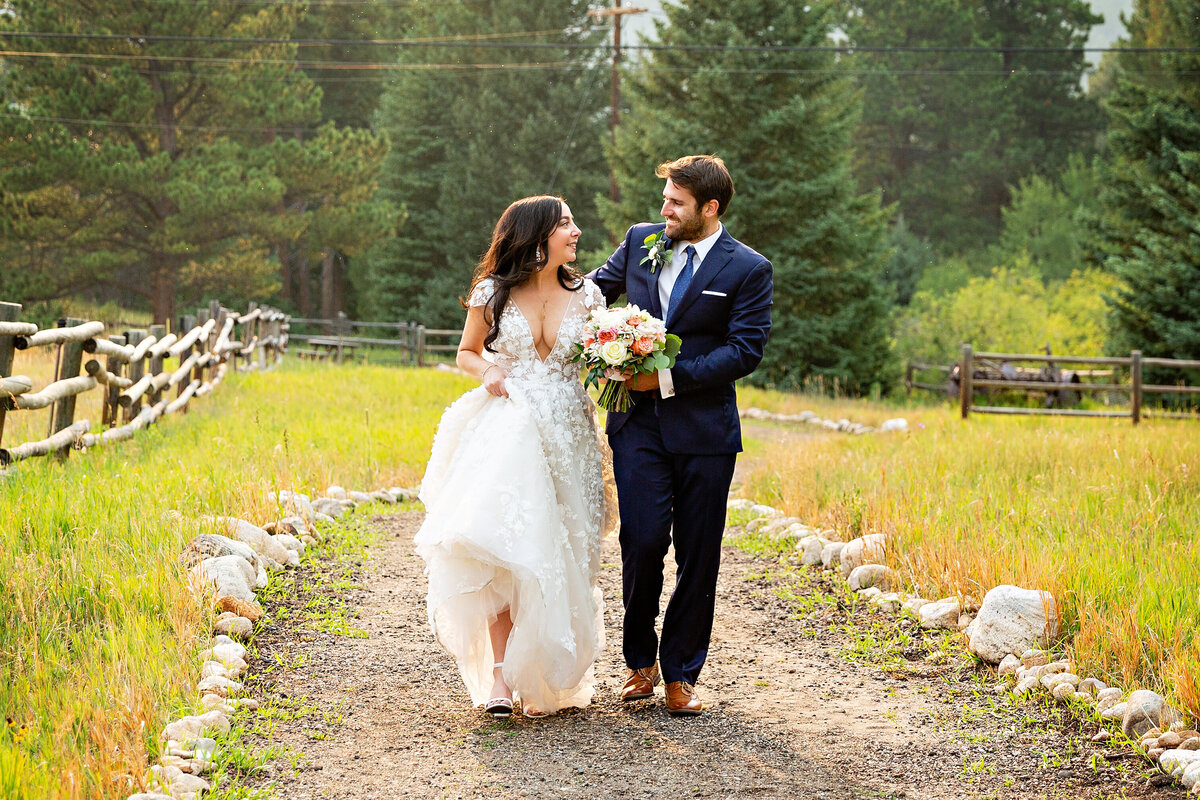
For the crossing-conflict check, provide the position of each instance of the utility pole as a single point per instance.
(616, 12)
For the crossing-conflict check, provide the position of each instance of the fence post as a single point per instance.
(965, 386)
(420, 345)
(71, 359)
(186, 323)
(9, 312)
(1135, 377)
(222, 317)
(108, 416)
(136, 371)
(340, 326)
(197, 373)
(908, 376)
(159, 332)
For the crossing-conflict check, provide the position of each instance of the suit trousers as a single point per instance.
(667, 498)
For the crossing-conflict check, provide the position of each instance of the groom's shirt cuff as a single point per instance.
(666, 384)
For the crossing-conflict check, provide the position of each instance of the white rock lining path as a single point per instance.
(232, 567)
(840, 425)
(1010, 628)
(1009, 621)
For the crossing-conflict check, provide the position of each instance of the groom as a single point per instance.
(674, 450)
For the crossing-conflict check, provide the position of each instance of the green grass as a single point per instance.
(1100, 513)
(98, 630)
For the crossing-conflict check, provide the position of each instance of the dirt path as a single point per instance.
(385, 715)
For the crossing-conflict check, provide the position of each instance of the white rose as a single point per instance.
(614, 352)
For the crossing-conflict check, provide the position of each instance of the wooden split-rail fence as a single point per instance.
(982, 372)
(338, 339)
(135, 377)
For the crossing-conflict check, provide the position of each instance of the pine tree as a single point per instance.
(946, 134)
(783, 126)
(467, 139)
(1150, 225)
(153, 164)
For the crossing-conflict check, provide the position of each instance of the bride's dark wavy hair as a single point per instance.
(512, 258)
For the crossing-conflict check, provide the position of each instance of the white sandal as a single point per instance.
(499, 707)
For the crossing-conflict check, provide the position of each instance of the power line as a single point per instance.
(351, 66)
(110, 123)
(265, 62)
(467, 41)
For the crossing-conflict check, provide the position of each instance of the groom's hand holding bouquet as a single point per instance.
(618, 345)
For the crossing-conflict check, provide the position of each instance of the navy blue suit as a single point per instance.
(674, 457)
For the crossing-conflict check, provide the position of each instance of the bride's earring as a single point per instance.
(541, 257)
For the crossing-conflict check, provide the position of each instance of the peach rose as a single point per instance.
(643, 345)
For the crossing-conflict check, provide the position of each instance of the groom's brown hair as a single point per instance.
(704, 176)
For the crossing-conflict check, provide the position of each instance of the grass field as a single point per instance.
(98, 630)
(99, 634)
(1103, 514)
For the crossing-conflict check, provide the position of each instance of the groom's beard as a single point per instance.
(686, 230)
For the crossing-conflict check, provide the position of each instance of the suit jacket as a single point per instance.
(724, 319)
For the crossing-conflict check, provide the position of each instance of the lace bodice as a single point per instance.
(514, 346)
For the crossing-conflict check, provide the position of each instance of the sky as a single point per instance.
(1112, 29)
(1102, 35)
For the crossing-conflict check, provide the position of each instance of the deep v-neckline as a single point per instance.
(557, 333)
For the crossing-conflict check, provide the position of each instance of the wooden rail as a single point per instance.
(134, 376)
(337, 340)
(1137, 388)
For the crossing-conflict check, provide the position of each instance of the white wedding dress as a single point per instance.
(516, 502)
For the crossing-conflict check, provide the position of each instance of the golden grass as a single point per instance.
(98, 630)
(1100, 513)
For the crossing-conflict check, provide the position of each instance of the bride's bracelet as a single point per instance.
(483, 377)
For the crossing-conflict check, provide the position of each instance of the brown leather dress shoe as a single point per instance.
(682, 700)
(640, 683)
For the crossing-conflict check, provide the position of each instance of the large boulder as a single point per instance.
(1174, 762)
(208, 545)
(261, 542)
(1190, 778)
(230, 576)
(1013, 620)
(250, 609)
(290, 542)
(940, 615)
(810, 550)
(331, 507)
(868, 575)
(1145, 710)
(869, 549)
(831, 554)
(296, 503)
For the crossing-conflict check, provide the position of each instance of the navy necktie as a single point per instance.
(682, 281)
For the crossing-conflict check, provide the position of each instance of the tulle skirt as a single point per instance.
(516, 503)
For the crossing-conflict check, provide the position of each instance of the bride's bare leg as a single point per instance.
(499, 631)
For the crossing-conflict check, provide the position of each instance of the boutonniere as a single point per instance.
(658, 248)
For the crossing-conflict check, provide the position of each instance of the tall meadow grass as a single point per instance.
(1104, 515)
(98, 630)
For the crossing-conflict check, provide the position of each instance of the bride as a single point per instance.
(514, 492)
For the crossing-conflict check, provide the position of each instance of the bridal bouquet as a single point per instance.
(619, 343)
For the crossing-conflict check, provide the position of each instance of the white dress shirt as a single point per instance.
(666, 282)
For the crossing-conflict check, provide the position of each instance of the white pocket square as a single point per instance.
(714, 294)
